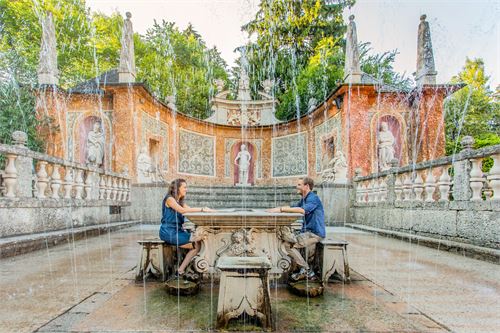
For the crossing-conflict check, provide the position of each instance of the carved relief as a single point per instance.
(196, 153)
(289, 155)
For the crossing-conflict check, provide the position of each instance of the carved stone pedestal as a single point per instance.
(332, 258)
(244, 288)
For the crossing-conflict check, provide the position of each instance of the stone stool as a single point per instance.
(244, 288)
(157, 259)
(332, 256)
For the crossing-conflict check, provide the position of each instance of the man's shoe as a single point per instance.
(311, 276)
(300, 275)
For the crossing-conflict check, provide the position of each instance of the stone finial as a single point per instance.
(47, 67)
(426, 70)
(126, 69)
(244, 86)
(171, 102)
(467, 142)
(352, 69)
(267, 84)
(219, 83)
(358, 172)
(394, 163)
(20, 138)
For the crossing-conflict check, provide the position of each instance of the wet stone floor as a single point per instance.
(88, 286)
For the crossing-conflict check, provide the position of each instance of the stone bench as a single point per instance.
(332, 257)
(244, 288)
(157, 259)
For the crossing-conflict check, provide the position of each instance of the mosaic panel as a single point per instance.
(289, 155)
(196, 153)
(332, 125)
(153, 126)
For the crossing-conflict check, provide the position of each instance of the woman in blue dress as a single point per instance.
(171, 230)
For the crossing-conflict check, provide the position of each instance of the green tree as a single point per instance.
(472, 110)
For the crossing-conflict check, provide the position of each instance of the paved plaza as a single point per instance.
(88, 286)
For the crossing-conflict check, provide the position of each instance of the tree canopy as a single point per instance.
(472, 110)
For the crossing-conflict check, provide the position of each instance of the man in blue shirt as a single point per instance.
(313, 227)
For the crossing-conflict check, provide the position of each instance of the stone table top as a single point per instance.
(252, 218)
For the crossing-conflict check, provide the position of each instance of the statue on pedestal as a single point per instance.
(385, 142)
(95, 146)
(242, 160)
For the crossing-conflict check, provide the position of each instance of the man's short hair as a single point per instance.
(308, 181)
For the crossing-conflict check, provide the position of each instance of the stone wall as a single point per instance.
(336, 202)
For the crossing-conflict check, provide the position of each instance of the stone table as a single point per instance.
(242, 232)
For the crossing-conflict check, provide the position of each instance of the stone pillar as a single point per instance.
(24, 166)
(461, 169)
(391, 181)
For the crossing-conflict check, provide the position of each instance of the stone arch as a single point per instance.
(397, 126)
(80, 129)
(253, 150)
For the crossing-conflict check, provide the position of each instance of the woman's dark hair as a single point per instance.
(173, 190)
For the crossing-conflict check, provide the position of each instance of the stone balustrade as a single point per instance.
(447, 199)
(29, 174)
(452, 178)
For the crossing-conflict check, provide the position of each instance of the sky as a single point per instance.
(459, 28)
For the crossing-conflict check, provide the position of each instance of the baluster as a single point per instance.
(358, 192)
(383, 190)
(407, 187)
(114, 190)
(444, 185)
(127, 193)
(476, 180)
(364, 198)
(418, 186)
(120, 189)
(430, 186)
(109, 187)
(42, 179)
(68, 182)
(494, 177)
(398, 188)
(55, 181)
(375, 191)
(10, 176)
(102, 187)
(369, 191)
(79, 184)
(88, 185)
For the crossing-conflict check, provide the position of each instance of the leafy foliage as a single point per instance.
(472, 110)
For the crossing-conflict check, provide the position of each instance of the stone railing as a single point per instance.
(452, 178)
(30, 174)
(449, 201)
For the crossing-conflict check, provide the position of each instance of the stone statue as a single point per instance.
(385, 143)
(47, 67)
(242, 160)
(126, 69)
(95, 146)
(352, 69)
(339, 166)
(426, 70)
(144, 166)
(335, 170)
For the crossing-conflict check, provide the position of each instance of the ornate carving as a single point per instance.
(289, 155)
(196, 154)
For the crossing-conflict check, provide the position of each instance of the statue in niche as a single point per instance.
(242, 160)
(385, 141)
(144, 167)
(95, 146)
(339, 166)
